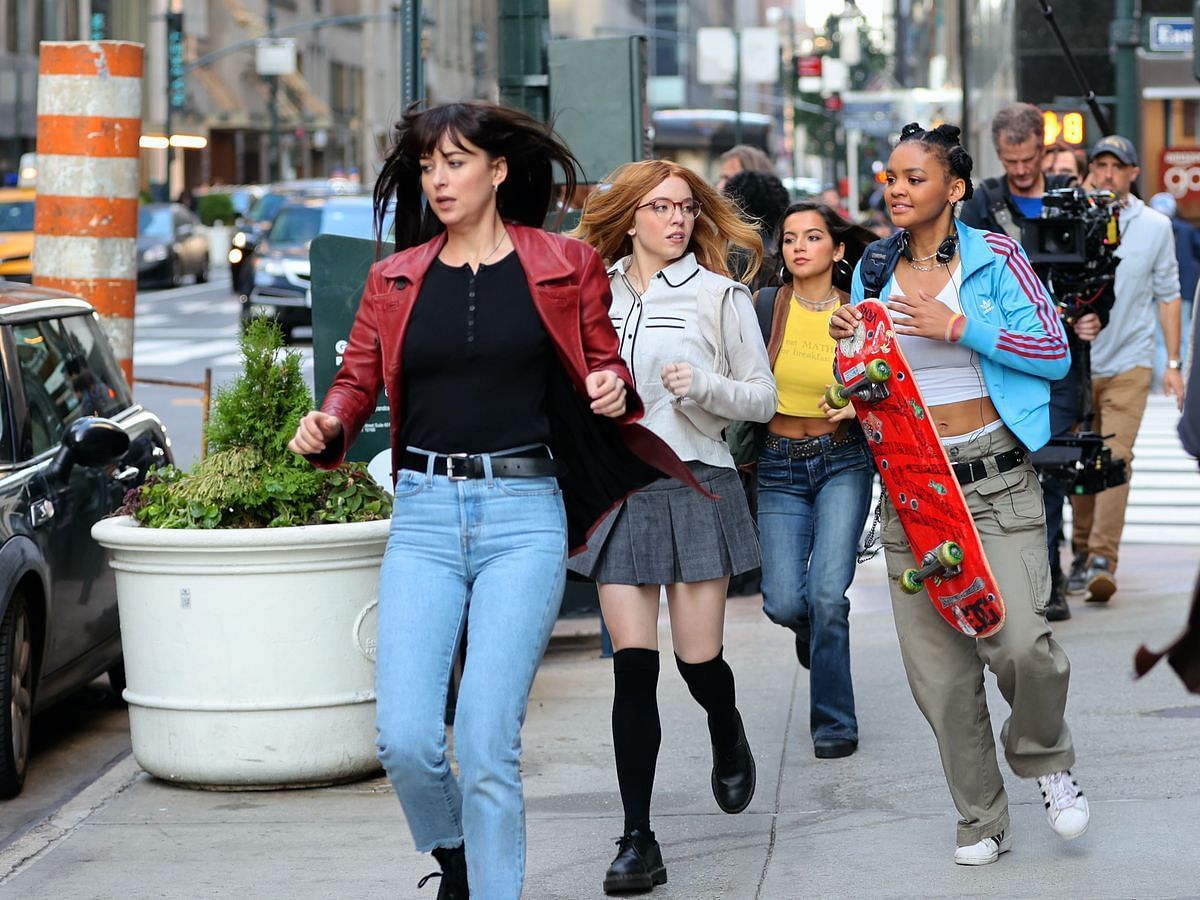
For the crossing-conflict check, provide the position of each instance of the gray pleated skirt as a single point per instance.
(667, 533)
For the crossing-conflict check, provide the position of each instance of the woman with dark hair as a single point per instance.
(691, 340)
(982, 338)
(814, 469)
(762, 198)
(493, 343)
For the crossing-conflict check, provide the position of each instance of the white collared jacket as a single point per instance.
(689, 314)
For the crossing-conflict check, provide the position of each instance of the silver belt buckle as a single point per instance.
(450, 458)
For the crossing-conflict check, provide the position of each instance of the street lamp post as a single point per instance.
(274, 104)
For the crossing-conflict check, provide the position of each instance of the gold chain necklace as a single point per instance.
(816, 305)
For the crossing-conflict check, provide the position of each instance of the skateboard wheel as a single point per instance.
(909, 583)
(835, 398)
(878, 371)
(949, 554)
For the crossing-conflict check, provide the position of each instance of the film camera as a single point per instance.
(1073, 246)
(1082, 462)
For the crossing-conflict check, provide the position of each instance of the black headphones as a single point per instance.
(945, 251)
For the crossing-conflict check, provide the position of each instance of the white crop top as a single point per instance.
(945, 372)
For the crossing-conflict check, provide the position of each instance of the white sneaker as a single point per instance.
(1066, 807)
(986, 851)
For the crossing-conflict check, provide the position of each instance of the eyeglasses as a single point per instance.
(665, 209)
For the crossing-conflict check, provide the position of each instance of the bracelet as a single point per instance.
(955, 319)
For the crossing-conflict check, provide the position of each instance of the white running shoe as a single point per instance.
(1066, 807)
(985, 852)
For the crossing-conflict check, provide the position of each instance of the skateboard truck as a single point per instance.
(946, 559)
(876, 373)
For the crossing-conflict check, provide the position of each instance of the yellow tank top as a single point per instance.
(804, 365)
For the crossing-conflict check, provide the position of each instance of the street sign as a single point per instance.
(275, 56)
(760, 55)
(716, 55)
(808, 66)
(1180, 174)
(176, 91)
(872, 119)
(1169, 34)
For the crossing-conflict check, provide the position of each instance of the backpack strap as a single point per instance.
(877, 264)
(764, 308)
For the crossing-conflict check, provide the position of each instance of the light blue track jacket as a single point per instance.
(1013, 326)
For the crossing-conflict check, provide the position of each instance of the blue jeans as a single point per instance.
(487, 556)
(810, 516)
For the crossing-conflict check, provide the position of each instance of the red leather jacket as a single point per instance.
(606, 459)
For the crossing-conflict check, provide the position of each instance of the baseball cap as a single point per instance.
(1120, 147)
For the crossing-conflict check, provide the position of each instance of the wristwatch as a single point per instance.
(1174, 364)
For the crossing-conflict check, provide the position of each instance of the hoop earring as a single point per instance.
(844, 268)
(783, 272)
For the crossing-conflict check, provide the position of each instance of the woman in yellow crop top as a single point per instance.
(814, 470)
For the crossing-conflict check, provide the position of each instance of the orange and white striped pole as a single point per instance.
(86, 217)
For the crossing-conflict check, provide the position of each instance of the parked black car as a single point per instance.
(72, 442)
(170, 245)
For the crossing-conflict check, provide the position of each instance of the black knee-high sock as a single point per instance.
(637, 732)
(711, 684)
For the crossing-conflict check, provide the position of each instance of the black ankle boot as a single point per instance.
(1057, 609)
(733, 773)
(453, 861)
(638, 866)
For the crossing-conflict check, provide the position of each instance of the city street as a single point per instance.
(877, 824)
(1135, 740)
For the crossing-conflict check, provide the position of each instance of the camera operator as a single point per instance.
(1122, 358)
(1000, 204)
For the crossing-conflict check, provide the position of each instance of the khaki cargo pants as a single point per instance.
(945, 667)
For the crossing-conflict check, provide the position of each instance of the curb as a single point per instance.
(62, 822)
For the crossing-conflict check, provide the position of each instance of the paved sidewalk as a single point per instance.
(878, 824)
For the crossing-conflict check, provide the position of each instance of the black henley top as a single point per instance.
(476, 361)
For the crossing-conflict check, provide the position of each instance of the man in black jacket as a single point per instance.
(1000, 204)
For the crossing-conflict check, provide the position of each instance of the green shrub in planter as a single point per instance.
(250, 479)
(214, 207)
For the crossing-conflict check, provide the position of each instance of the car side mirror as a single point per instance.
(89, 441)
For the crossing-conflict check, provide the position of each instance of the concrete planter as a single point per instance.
(249, 653)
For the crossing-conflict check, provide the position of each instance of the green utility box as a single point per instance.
(598, 101)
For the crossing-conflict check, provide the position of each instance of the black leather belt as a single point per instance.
(532, 463)
(807, 448)
(966, 472)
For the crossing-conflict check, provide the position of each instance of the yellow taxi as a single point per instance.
(16, 233)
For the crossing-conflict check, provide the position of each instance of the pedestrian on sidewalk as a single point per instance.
(1147, 288)
(689, 336)
(983, 339)
(814, 469)
(491, 339)
(1002, 205)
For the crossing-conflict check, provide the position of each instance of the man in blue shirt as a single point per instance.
(999, 204)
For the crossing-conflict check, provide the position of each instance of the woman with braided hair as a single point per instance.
(983, 340)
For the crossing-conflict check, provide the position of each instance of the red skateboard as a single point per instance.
(951, 565)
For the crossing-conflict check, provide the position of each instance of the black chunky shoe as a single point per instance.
(453, 861)
(803, 649)
(733, 773)
(638, 866)
(1057, 609)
